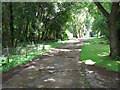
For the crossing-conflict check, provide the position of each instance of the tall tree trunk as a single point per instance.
(39, 35)
(113, 37)
(11, 24)
(18, 38)
(75, 32)
(50, 34)
(43, 34)
(26, 30)
(47, 35)
(33, 35)
(112, 25)
(79, 30)
(81, 33)
(40, 16)
(6, 25)
(30, 37)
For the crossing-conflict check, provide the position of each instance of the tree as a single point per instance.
(112, 18)
(6, 25)
(11, 24)
(32, 22)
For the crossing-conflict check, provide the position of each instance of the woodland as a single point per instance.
(34, 23)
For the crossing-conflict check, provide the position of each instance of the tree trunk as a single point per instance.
(113, 33)
(75, 32)
(11, 24)
(46, 35)
(38, 35)
(43, 34)
(113, 36)
(32, 34)
(26, 30)
(79, 32)
(18, 38)
(30, 38)
(6, 25)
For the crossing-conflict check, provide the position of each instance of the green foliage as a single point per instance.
(92, 34)
(36, 21)
(100, 25)
(97, 51)
(88, 21)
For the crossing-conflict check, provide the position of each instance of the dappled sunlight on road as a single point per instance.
(89, 72)
(100, 77)
(30, 68)
(59, 67)
(40, 86)
(49, 80)
(50, 67)
(69, 41)
(75, 40)
(80, 62)
(65, 50)
(48, 54)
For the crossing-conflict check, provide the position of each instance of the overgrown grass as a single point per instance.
(96, 51)
(33, 53)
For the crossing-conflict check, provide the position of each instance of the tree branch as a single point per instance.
(101, 8)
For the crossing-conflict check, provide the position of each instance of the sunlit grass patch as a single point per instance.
(97, 51)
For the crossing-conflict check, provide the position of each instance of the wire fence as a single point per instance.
(36, 49)
(12, 57)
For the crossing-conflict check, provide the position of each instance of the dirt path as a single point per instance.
(98, 77)
(59, 68)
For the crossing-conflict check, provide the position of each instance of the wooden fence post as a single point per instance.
(26, 51)
(43, 47)
(8, 53)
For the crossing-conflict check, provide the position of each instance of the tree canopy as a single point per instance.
(40, 21)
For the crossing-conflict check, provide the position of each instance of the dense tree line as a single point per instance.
(27, 22)
(40, 21)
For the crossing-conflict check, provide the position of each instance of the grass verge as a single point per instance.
(96, 51)
(32, 53)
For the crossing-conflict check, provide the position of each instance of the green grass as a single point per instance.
(96, 51)
(33, 53)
